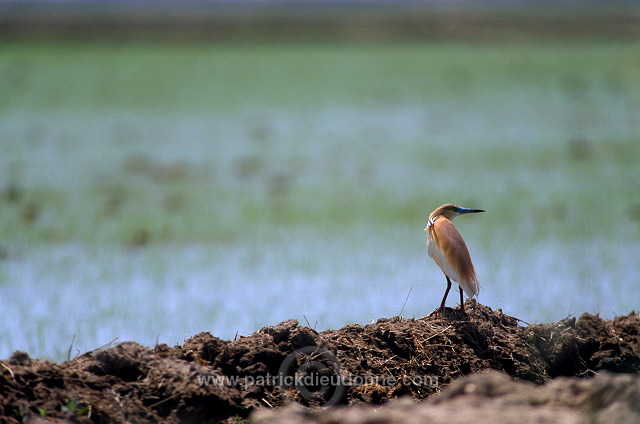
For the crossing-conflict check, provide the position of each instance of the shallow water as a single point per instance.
(150, 215)
(54, 295)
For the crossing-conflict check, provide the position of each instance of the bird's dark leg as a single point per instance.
(461, 300)
(446, 293)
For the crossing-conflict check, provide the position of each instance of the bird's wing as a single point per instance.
(451, 254)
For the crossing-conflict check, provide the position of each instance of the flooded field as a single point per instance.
(152, 191)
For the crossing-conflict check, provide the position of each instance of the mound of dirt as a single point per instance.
(489, 397)
(212, 380)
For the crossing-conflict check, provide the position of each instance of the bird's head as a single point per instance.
(450, 211)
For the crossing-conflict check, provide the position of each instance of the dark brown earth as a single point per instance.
(373, 373)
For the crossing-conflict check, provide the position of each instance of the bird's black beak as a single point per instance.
(467, 210)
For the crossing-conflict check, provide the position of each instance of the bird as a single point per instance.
(448, 249)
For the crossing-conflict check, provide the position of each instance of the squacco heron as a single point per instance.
(447, 247)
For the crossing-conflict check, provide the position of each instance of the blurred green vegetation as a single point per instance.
(194, 142)
(269, 180)
(156, 77)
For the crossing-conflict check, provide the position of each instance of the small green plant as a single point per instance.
(73, 405)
